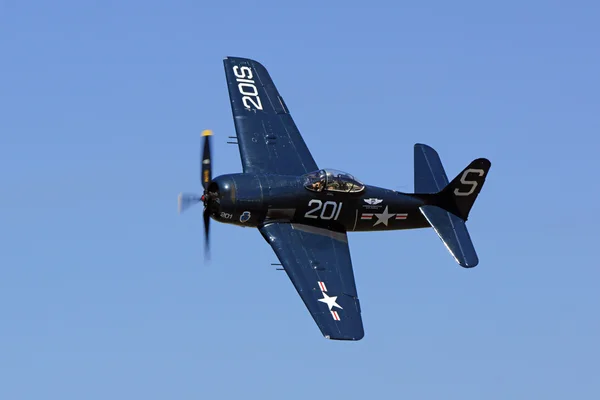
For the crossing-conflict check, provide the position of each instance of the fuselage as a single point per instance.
(252, 200)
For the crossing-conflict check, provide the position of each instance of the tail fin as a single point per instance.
(450, 203)
(459, 195)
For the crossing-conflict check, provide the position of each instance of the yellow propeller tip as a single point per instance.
(207, 132)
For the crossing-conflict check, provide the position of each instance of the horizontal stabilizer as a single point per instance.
(453, 232)
(430, 176)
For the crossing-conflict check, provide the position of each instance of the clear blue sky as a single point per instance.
(103, 290)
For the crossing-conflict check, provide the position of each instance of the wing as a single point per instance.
(268, 138)
(318, 263)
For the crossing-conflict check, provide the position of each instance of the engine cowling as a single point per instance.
(237, 199)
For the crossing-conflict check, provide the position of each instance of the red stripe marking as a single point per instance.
(322, 286)
(335, 315)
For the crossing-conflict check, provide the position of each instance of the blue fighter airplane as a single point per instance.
(305, 212)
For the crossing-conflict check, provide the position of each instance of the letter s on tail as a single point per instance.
(460, 194)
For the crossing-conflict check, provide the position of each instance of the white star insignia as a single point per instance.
(384, 217)
(330, 301)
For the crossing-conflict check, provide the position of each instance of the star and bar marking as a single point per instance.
(384, 217)
(330, 301)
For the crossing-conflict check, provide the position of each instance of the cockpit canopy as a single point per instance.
(333, 181)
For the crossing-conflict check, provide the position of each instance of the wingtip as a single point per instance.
(352, 337)
(344, 339)
(251, 61)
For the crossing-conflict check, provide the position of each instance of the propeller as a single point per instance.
(186, 200)
(206, 173)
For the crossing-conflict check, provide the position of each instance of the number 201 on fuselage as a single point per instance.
(328, 210)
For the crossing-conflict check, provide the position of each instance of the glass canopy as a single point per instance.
(333, 181)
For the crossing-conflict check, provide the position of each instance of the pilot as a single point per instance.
(318, 186)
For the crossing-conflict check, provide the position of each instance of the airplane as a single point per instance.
(305, 212)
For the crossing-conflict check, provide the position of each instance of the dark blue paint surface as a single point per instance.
(268, 138)
(304, 213)
(312, 255)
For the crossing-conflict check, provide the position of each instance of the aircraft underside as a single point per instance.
(304, 212)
